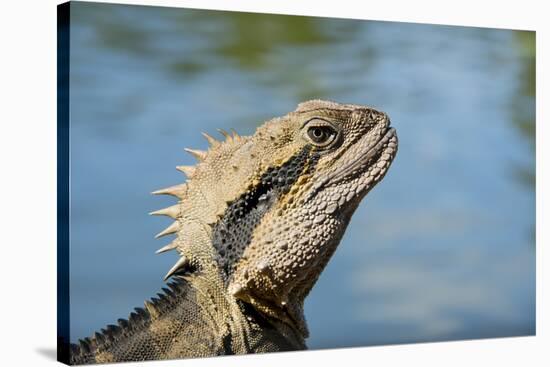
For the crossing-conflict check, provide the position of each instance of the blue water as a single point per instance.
(442, 249)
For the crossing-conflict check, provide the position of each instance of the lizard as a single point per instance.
(255, 224)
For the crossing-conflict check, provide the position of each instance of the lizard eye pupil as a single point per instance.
(320, 134)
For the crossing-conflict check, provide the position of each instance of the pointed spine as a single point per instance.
(226, 135)
(84, 346)
(182, 262)
(100, 339)
(235, 134)
(172, 228)
(143, 316)
(170, 246)
(189, 171)
(123, 323)
(177, 191)
(168, 292)
(200, 155)
(153, 312)
(172, 211)
(211, 140)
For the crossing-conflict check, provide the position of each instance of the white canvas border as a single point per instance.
(28, 185)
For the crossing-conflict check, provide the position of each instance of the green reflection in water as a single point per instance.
(279, 52)
(254, 37)
(523, 104)
(523, 111)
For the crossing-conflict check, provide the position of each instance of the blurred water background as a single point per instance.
(442, 249)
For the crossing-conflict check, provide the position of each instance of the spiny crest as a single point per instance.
(181, 191)
(137, 320)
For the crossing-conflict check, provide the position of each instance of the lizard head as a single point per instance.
(320, 161)
(279, 201)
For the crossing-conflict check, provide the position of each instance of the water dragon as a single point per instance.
(256, 221)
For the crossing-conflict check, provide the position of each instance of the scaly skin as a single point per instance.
(256, 222)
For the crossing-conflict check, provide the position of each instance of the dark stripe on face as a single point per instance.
(233, 232)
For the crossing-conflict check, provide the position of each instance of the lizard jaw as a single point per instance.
(365, 160)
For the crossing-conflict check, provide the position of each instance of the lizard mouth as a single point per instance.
(379, 156)
(372, 161)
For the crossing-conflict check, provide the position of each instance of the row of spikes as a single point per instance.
(136, 321)
(180, 191)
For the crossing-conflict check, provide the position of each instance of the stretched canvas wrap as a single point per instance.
(371, 183)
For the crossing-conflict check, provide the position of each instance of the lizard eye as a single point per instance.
(321, 134)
